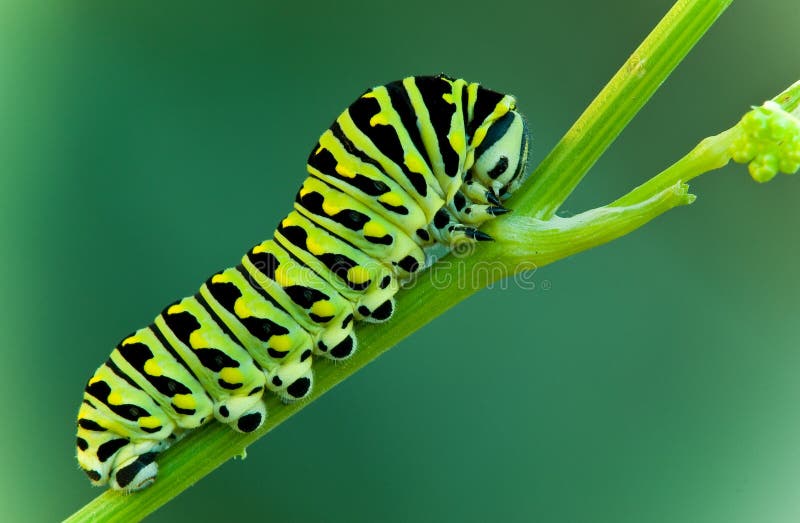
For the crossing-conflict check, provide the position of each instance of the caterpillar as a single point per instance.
(410, 165)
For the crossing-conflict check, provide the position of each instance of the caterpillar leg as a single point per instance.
(474, 213)
(293, 380)
(242, 413)
(296, 389)
(472, 205)
(382, 312)
(139, 470)
(478, 193)
(449, 231)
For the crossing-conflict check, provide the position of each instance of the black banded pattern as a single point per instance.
(408, 165)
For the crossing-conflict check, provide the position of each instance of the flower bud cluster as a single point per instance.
(770, 142)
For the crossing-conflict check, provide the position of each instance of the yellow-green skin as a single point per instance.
(408, 165)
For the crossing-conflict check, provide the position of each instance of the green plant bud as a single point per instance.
(770, 142)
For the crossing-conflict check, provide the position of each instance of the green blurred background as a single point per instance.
(144, 147)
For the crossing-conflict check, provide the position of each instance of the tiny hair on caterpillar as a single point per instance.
(409, 166)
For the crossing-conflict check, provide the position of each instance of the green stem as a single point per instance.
(790, 98)
(559, 237)
(524, 241)
(711, 153)
(619, 101)
(528, 242)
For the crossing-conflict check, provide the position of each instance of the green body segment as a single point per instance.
(416, 162)
(147, 361)
(270, 334)
(356, 224)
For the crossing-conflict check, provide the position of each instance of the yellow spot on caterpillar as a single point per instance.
(231, 375)
(480, 134)
(448, 97)
(262, 247)
(379, 119)
(95, 379)
(184, 401)
(131, 339)
(314, 246)
(152, 368)
(369, 94)
(472, 95)
(281, 342)
(197, 340)
(220, 278)
(414, 163)
(240, 308)
(323, 308)
(175, 309)
(330, 208)
(393, 199)
(358, 275)
(282, 276)
(345, 171)
(374, 229)
(149, 422)
(457, 140)
(115, 398)
(502, 108)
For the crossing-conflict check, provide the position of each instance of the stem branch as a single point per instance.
(619, 101)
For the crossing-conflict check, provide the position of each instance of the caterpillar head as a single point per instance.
(501, 158)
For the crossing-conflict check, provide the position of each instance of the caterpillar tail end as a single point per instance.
(475, 234)
(135, 475)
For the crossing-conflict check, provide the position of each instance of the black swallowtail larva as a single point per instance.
(409, 165)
